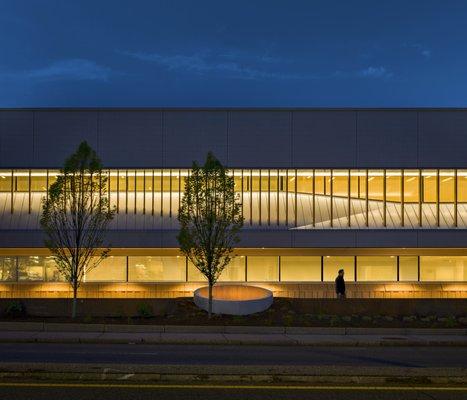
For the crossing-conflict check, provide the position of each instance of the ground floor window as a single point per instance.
(8, 269)
(194, 275)
(153, 269)
(31, 268)
(285, 268)
(408, 268)
(376, 268)
(262, 268)
(441, 268)
(235, 271)
(111, 269)
(332, 264)
(300, 269)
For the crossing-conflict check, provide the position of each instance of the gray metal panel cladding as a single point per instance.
(260, 139)
(269, 239)
(57, 135)
(131, 139)
(387, 139)
(188, 136)
(323, 139)
(443, 139)
(248, 138)
(16, 139)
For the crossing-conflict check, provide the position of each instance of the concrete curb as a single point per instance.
(231, 338)
(43, 332)
(263, 330)
(225, 373)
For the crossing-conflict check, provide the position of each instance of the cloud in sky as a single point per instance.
(422, 50)
(426, 53)
(264, 58)
(370, 72)
(375, 72)
(231, 65)
(240, 66)
(69, 69)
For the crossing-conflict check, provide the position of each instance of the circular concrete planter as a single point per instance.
(234, 299)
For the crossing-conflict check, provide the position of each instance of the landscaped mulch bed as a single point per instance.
(283, 312)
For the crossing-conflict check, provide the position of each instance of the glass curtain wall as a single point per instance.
(153, 269)
(290, 198)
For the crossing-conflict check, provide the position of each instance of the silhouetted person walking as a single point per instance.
(340, 285)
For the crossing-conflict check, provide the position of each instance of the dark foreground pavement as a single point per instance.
(234, 355)
(233, 364)
(176, 392)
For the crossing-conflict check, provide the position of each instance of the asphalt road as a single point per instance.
(416, 357)
(106, 392)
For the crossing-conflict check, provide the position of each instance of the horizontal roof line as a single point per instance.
(233, 108)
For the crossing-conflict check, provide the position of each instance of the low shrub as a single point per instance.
(144, 310)
(451, 321)
(15, 309)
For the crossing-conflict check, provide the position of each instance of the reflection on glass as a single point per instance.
(156, 269)
(52, 274)
(30, 268)
(7, 269)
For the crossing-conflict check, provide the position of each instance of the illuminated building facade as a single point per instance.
(380, 193)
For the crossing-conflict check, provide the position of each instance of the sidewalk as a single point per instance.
(14, 332)
(182, 374)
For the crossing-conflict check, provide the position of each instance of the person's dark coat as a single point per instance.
(340, 285)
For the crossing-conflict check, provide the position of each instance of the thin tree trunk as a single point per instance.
(210, 300)
(75, 299)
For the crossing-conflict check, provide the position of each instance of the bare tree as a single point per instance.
(210, 220)
(75, 216)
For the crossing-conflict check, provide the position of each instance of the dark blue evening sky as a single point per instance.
(233, 53)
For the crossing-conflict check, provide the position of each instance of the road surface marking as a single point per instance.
(248, 387)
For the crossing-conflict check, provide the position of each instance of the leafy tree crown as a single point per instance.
(210, 218)
(75, 214)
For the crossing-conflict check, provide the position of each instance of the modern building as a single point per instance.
(381, 193)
